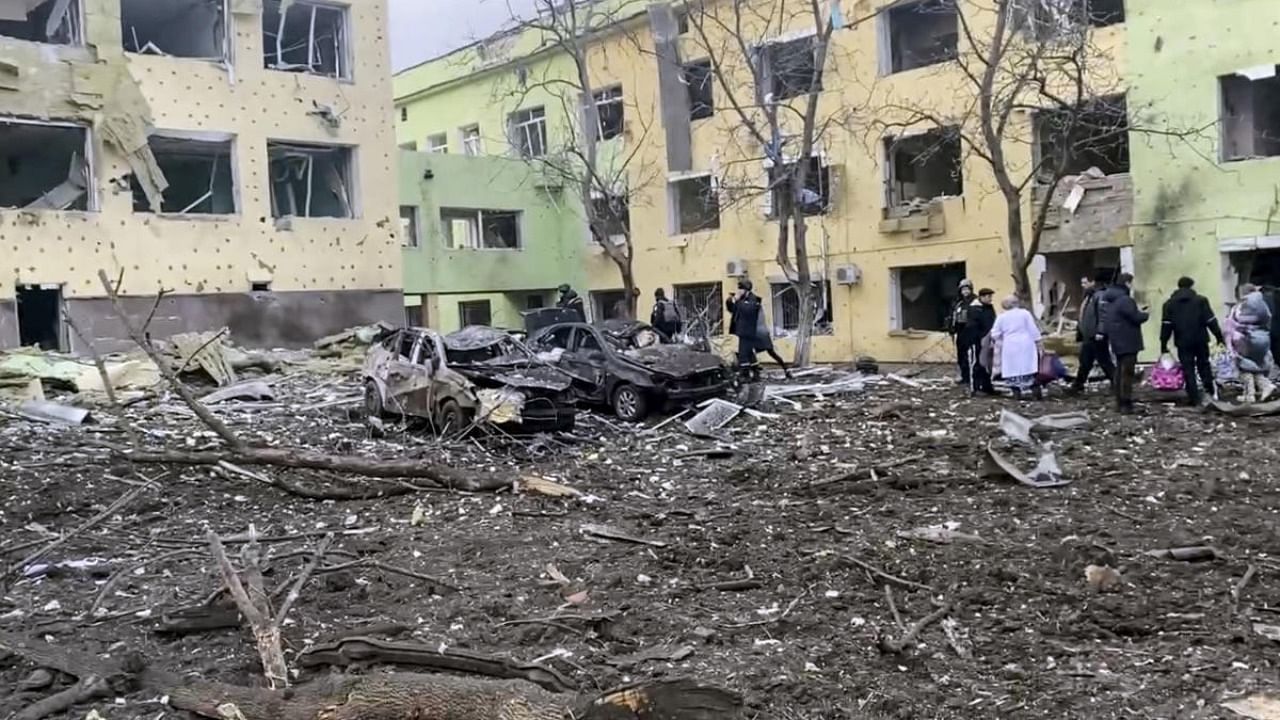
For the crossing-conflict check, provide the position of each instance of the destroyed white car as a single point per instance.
(478, 375)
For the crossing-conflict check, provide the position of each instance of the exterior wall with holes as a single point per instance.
(210, 256)
(468, 86)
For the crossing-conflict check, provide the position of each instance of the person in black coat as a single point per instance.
(666, 315)
(955, 327)
(1092, 335)
(570, 300)
(1124, 321)
(980, 317)
(746, 322)
(1187, 319)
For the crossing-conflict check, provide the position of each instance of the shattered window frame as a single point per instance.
(894, 27)
(942, 277)
(472, 141)
(789, 68)
(702, 308)
(134, 44)
(528, 132)
(69, 30)
(818, 181)
(467, 307)
(786, 308)
(438, 143)
(1099, 137)
(611, 113)
(1238, 92)
(613, 211)
(940, 137)
(699, 77)
(215, 147)
(708, 195)
(304, 155)
(273, 45)
(478, 222)
(1045, 20)
(80, 172)
(410, 226)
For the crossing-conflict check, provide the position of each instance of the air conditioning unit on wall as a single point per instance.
(848, 274)
(737, 267)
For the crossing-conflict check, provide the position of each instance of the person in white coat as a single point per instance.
(1018, 343)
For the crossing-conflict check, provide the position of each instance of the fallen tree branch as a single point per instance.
(886, 576)
(296, 591)
(266, 634)
(436, 582)
(89, 687)
(301, 490)
(120, 502)
(908, 640)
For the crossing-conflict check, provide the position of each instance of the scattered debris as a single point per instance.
(204, 350)
(1196, 553)
(716, 414)
(1022, 429)
(941, 534)
(1102, 578)
(1262, 706)
(664, 653)
(51, 412)
(1270, 632)
(1046, 473)
(608, 533)
(251, 390)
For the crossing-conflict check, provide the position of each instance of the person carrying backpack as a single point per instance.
(666, 315)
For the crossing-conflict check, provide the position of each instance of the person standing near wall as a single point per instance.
(665, 316)
(956, 321)
(1251, 343)
(1123, 329)
(981, 318)
(1187, 319)
(570, 300)
(1094, 348)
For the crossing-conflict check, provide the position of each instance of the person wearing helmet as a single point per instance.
(572, 301)
(956, 321)
(747, 322)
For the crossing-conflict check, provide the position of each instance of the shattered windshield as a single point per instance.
(639, 340)
(503, 351)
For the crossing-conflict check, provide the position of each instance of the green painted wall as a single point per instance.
(1187, 200)
(552, 240)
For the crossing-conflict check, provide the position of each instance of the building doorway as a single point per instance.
(40, 316)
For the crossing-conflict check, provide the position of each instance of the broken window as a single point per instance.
(789, 69)
(786, 307)
(438, 143)
(57, 22)
(40, 317)
(612, 218)
(535, 301)
(696, 204)
(610, 113)
(702, 307)
(306, 37)
(608, 305)
(310, 180)
(923, 295)
(475, 312)
(409, 226)
(529, 132)
(472, 144)
(814, 199)
(466, 229)
(700, 79)
(1094, 135)
(924, 167)
(921, 34)
(1046, 19)
(44, 166)
(1251, 113)
(178, 28)
(198, 173)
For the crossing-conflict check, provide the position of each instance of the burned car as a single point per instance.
(630, 366)
(476, 375)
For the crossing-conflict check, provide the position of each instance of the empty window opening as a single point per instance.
(924, 167)
(1095, 135)
(411, 145)
(307, 37)
(1055, 18)
(1251, 114)
(610, 113)
(44, 167)
(786, 308)
(696, 204)
(608, 305)
(529, 132)
(702, 308)
(682, 21)
(310, 180)
(813, 199)
(535, 301)
(438, 143)
(404, 114)
(260, 287)
(924, 295)
(789, 69)
(475, 312)
(922, 34)
(199, 176)
(480, 229)
(179, 28)
(40, 317)
(700, 79)
(1061, 289)
(1256, 267)
(57, 22)
(612, 218)
(472, 144)
(409, 226)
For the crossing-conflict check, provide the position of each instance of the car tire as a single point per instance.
(373, 406)
(630, 403)
(451, 419)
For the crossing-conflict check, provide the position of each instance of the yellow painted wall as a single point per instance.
(205, 253)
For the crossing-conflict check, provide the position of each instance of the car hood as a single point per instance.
(535, 377)
(676, 360)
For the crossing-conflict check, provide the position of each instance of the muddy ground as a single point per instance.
(1031, 638)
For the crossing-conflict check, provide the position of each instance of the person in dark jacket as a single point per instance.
(1188, 319)
(1123, 329)
(1094, 348)
(955, 326)
(665, 315)
(980, 317)
(1272, 295)
(746, 322)
(570, 300)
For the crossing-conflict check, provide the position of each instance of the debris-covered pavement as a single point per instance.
(828, 556)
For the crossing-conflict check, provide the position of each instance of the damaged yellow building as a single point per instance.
(237, 154)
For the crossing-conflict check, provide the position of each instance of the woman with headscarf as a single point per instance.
(1249, 328)
(1017, 341)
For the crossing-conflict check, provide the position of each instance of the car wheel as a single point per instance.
(630, 403)
(373, 401)
(451, 419)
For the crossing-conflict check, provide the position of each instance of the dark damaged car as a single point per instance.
(631, 367)
(474, 376)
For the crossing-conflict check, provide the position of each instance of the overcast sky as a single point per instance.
(423, 29)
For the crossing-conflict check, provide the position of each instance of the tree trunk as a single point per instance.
(803, 285)
(1017, 249)
(630, 295)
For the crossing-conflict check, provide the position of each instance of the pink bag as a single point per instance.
(1167, 374)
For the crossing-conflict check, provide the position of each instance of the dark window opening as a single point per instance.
(814, 199)
(922, 34)
(260, 287)
(410, 145)
(43, 167)
(1095, 135)
(51, 21)
(407, 343)
(926, 295)
(310, 180)
(307, 38)
(786, 307)
(198, 173)
(409, 226)
(924, 167)
(1053, 18)
(404, 114)
(608, 305)
(535, 301)
(612, 219)
(1250, 116)
(610, 113)
(697, 204)
(474, 312)
(702, 307)
(790, 69)
(586, 342)
(40, 317)
(176, 28)
(466, 229)
(700, 79)
(682, 21)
